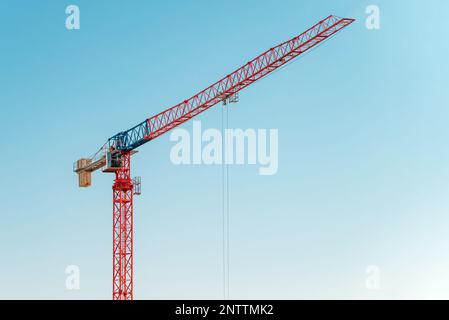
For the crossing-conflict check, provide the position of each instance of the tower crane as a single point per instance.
(115, 155)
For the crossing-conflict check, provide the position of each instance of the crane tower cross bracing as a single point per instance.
(115, 155)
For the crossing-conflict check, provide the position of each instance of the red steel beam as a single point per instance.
(254, 70)
(122, 232)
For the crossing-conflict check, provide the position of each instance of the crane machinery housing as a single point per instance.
(115, 155)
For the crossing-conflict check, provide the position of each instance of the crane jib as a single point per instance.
(254, 70)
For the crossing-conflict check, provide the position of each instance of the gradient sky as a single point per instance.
(363, 171)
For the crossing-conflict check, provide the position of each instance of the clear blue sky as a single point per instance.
(363, 159)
